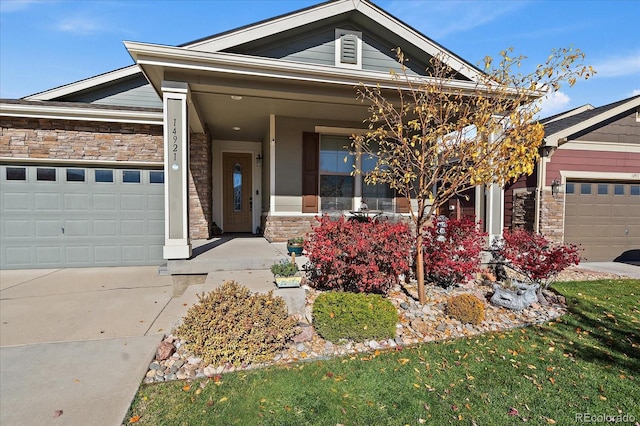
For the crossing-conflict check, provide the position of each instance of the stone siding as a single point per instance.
(80, 140)
(523, 210)
(200, 190)
(281, 228)
(552, 216)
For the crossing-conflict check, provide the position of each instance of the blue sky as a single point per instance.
(47, 43)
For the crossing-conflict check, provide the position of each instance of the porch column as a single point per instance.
(176, 154)
(494, 220)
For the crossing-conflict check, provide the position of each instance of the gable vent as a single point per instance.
(349, 49)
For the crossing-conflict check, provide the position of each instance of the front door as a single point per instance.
(237, 201)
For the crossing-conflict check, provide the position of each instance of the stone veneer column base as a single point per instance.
(281, 228)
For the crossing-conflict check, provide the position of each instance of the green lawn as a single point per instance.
(585, 362)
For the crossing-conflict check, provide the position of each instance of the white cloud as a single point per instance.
(80, 25)
(439, 19)
(617, 66)
(554, 103)
(636, 92)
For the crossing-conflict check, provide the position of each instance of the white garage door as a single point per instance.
(78, 216)
(604, 218)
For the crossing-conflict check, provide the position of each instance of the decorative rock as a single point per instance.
(404, 305)
(194, 360)
(420, 326)
(165, 350)
(154, 366)
(306, 335)
(441, 327)
(300, 347)
(151, 373)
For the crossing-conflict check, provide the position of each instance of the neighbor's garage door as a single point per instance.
(76, 216)
(604, 217)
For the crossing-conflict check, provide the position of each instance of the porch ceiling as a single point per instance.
(222, 113)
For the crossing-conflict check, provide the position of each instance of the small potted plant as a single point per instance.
(286, 274)
(294, 245)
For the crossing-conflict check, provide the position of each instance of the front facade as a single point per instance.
(247, 129)
(586, 186)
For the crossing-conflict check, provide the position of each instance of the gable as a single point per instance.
(317, 44)
(309, 36)
(133, 91)
(623, 128)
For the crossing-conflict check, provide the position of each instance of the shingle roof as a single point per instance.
(565, 123)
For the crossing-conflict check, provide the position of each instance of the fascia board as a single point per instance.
(88, 83)
(558, 138)
(229, 63)
(273, 26)
(82, 114)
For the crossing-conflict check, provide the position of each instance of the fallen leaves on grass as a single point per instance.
(134, 419)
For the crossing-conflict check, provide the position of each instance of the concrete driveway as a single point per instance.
(624, 269)
(75, 343)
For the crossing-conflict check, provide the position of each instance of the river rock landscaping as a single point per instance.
(416, 324)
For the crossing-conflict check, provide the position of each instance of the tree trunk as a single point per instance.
(422, 297)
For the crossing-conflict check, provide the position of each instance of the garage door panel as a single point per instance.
(133, 227)
(45, 201)
(79, 254)
(155, 227)
(605, 225)
(105, 202)
(76, 202)
(76, 228)
(47, 228)
(16, 202)
(48, 255)
(129, 202)
(133, 253)
(105, 224)
(105, 227)
(18, 257)
(16, 228)
(155, 203)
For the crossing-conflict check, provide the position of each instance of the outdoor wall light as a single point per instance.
(555, 187)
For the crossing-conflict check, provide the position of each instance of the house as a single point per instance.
(586, 186)
(247, 129)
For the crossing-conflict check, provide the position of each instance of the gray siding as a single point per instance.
(317, 46)
(134, 91)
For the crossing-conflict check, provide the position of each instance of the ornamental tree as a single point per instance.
(434, 137)
(534, 256)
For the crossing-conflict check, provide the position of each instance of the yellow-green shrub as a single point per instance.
(354, 316)
(232, 325)
(466, 308)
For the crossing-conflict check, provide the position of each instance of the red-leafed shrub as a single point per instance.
(357, 255)
(452, 251)
(534, 256)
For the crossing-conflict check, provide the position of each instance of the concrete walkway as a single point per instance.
(79, 341)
